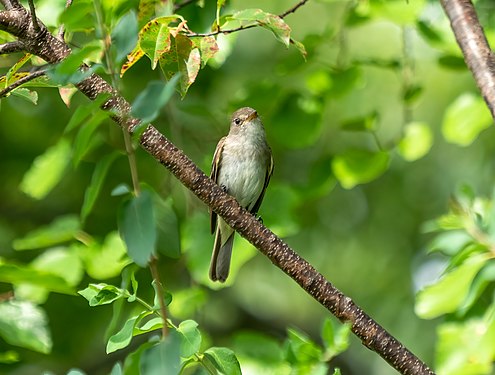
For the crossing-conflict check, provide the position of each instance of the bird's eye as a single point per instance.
(237, 121)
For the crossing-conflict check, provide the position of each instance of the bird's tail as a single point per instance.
(222, 251)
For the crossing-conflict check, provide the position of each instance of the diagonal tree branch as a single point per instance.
(472, 41)
(373, 336)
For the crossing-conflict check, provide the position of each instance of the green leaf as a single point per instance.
(167, 224)
(298, 122)
(365, 123)
(103, 261)
(267, 20)
(356, 167)
(16, 67)
(452, 62)
(335, 337)
(9, 357)
(102, 294)
(30, 96)
(149, 102)
(123, 337)
(85, 139)
(190, 338)
(450, 291)
(224, 360)
(84, 112)
(208, 48)
(93, 190)
(131, 363)
(416, 142)
(301, 350)
(17, 274)
(137, 227)
(162, 358)
(61, 230)
(78, 17)
(184, 58)
(61, 262)
(150, 325)
(465, 119)
(187, 301)
(154, 38)
(47, 170)
(24, 324)
(259, 347)
(124, 35)
(466, 347)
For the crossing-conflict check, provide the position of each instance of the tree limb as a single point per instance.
(472, 41)
(159, 147)
(11, 47)
(21, 81)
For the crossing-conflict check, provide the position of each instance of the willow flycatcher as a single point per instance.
(242, 165)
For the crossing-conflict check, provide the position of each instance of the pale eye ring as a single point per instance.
(237, 121)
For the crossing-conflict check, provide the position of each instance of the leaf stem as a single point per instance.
(158, 291)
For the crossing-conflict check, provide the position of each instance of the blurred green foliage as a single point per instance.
(375, 123)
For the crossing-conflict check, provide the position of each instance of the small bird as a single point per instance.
(242, 165)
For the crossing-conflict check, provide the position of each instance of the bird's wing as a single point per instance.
(269, 173)
(215, 164)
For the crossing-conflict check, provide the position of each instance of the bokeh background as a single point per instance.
(372, 69)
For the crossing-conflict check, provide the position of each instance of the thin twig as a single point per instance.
(159, 294)
(183, 4)
(33, 15)
(230, 31)
(21, 81)
(61, 30)
(474, 45)
(293, 9)
(11, 47)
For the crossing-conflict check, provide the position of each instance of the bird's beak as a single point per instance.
(252, 116)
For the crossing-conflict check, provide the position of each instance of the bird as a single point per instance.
(242, 165)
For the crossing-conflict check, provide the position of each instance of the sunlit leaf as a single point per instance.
(416, 142)
(224, 360)
(208, 48)
(187, 301)
(267, 20)
(137, 227)
(258, 346)
(102, 294)
(356, 167)
(46, 171)
(28, 95)
(466, 347)
(465, 119)
(9, 357)
(13, 70)
(190, 338)
(124, 336)
(335, 338)
(132, 58)
(301, 349)
(106, 260)
(154, 38)
(24, 324)
(61, 230)
(447, 294)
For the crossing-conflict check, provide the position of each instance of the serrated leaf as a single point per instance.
(61, 230)
(447, 294)
(356, 167)
(124, 35)
(24, 324)
(154, 38)
(267, 20)
(190, 338)
(416, 142)
(137, 227)
(224, 360)
(93, 190)
(465, 119)
(149, 102)
(47, 170)
(132, 58)
(184, 58)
